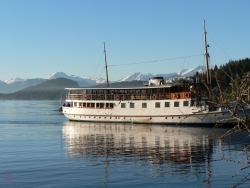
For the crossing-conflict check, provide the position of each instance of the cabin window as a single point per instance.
(167, 104)
(148, 91)
(154, 90)
(185, 103)
(80, 105)
(132, 105)
(166, 90)
(144, 105)
(92, 105)
(192, 102)
(160, 90)
(84, 105)
(176, 104)
(123, 105)
(174, 89)
(131, 91)
(75, 104)
(157, 105)
(111, 105)
(99, 105)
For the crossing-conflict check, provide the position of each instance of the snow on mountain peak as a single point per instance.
(12, 80)
(137, 76)
(144, 77)
(56, 75)
(91, 81)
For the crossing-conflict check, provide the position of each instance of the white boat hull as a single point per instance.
(151, 115)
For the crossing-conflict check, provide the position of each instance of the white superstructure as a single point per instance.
(181, 103)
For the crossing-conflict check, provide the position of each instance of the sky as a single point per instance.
(40, 37)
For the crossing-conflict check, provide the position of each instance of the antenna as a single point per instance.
(107, 78)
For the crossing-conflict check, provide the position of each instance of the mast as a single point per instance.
(107, 78)
(206, 54)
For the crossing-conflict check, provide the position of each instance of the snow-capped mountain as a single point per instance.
(15, 84)
(55, 75)
(136, 76)
(144, 77)
(87, 80)
(12, 80)
(94, 81)
(191, 72)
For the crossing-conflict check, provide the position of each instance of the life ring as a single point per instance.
(117, 97)
(187, 95)
(154, 97)
(86, 97)
(176, 96)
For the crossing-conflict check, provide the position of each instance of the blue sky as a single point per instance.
(38, 38)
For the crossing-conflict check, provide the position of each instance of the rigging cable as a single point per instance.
(153, 61)
(101, 72)
(220, 48)
(227, 56)
(98, 65)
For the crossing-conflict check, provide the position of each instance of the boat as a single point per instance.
(179, 101)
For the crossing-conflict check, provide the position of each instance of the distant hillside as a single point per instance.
(18, 85)
(49, 90)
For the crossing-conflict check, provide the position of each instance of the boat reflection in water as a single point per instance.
(186, 149)
(160, 143)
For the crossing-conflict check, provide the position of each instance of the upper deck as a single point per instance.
(180, 91)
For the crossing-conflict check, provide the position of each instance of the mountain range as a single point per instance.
(16, 84)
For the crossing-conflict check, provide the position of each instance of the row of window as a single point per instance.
(123, 105)
(90, 105)
(120, 91)
(157, 104)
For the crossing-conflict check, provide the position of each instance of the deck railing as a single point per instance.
(118, 97)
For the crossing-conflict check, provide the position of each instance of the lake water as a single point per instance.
(39, 147)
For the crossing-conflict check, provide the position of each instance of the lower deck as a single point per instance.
(182, 111)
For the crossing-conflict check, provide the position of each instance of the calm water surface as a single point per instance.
(41, 148)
